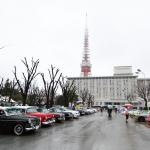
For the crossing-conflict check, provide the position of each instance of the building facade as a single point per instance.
(106, 90)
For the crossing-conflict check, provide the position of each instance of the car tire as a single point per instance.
(18, 129)
(141, 119)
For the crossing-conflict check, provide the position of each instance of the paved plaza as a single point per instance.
(92, 132)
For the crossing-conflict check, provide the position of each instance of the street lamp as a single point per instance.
(140, 71)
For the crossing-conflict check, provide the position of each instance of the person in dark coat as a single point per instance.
(109, 110)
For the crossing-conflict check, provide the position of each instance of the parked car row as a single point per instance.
(20, 119)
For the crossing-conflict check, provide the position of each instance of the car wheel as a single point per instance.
(141, 119)
(18, 129)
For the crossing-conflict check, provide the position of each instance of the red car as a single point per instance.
(59, 117)
(46, 119)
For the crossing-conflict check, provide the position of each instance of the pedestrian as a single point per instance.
(73, 107)
(116, 109)
(109, 110)
(101, 109)
(126, 114)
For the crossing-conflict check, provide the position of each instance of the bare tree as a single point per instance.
(68, 91)
(60, 100)
(84, 95)
(10, 88)
(24, 86)
(1, 85)
(51, 86)
(73, 97)
(87, 97)
(36, 96)
(32, 95)
(90, 100)
(40, 97)
(144, 92)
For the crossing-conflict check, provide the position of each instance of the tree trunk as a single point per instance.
(24, 99)
(146, 104)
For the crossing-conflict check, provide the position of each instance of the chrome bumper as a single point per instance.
(61, 118)
(32, 128)
(48, 122)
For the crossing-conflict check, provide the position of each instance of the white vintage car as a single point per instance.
(75, 113)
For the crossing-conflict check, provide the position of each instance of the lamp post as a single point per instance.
(145, 88)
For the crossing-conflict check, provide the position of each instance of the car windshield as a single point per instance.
(58, 110)
(45, 110)
(55, 110)
(63, 109)
(13, 111)
(31, 110)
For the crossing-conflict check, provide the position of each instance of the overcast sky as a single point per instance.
(53, 32)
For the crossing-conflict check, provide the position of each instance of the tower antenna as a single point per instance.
(86, 65)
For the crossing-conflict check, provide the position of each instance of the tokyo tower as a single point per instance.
(86, 65)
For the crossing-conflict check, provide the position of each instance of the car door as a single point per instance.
(3, 119)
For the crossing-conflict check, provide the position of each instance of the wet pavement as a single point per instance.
(92, 132)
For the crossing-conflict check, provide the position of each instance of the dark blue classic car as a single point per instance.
(11, 119)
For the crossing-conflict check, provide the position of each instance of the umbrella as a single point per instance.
(128, 105)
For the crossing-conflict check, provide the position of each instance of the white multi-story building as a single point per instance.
(109, 89)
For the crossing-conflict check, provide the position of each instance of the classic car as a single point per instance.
(133, 112)
(11, 119)
(141, 116)
(46, 118)
(59, 117)
(75, 113)
(68, 115)
(81, 111)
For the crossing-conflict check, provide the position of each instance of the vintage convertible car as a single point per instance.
(46, 118)
(11, 119)
(59, 117)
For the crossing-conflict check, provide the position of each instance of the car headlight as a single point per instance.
(40, 119)
(45, 118)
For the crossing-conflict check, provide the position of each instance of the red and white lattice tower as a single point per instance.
(86, 65)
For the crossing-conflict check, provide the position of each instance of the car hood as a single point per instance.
(22, 117)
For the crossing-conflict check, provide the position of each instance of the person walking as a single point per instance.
(116, 109)
(126, 114)
(101, 109)
(109, 110)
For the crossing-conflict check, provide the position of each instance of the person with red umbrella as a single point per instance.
(126, 114)
(127, 107)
